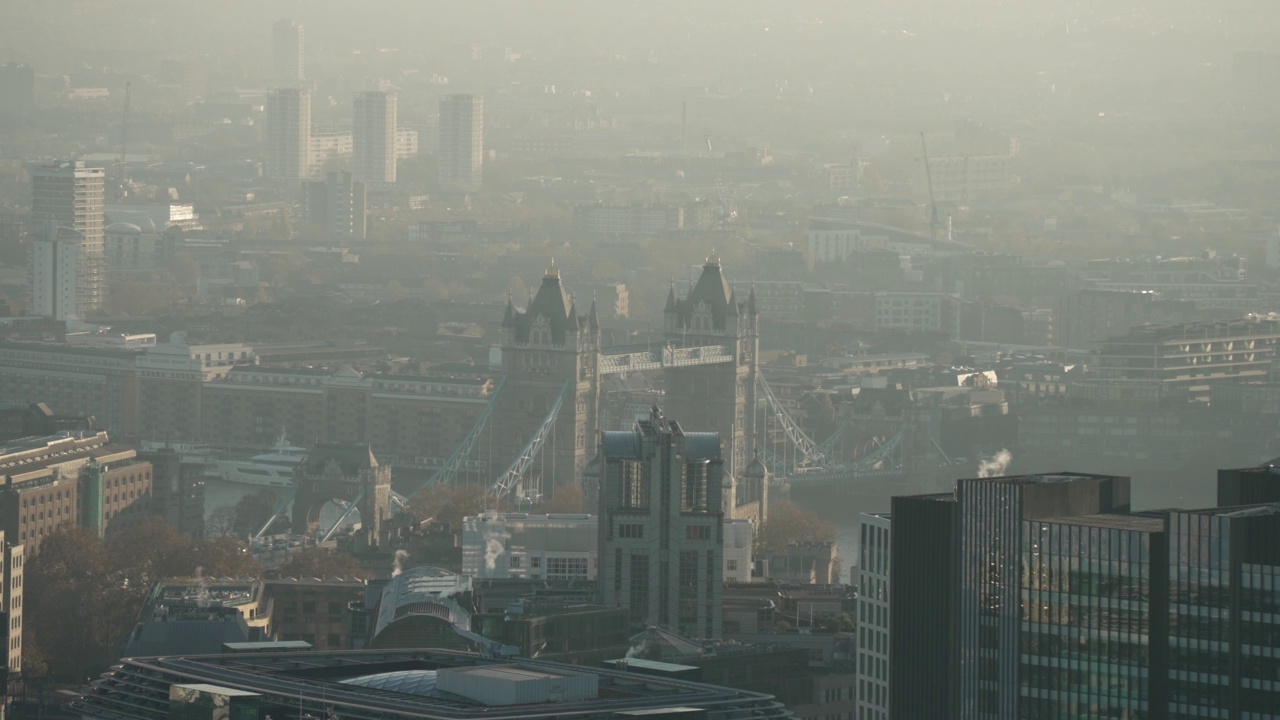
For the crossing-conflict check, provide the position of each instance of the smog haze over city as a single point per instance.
(872, 347)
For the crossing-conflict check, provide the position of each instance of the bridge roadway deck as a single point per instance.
(838, 477)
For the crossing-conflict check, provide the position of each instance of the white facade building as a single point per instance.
(563, 547)
(72, 195)
(535, 547)
(832, 244)
(330, 144)
(406, 143)
(737, 551)
(873, 617)
(55, 274)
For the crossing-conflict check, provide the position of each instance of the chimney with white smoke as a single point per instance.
(397, 562)
(203, 599)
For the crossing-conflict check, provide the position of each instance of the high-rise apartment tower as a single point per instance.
(288, 134)
(374, 137)
(287, 55)
(71, 196)
(460, 153)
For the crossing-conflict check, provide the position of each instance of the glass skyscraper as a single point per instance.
(1042, 596)
(989, 556)
(1092, 617)
(1224, 612)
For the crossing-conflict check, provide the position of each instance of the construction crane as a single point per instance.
(726, 212)
(124, 128)
(933, 203)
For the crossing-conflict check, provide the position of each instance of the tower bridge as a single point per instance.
(543, 419)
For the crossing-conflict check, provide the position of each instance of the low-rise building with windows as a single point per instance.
(72, 479)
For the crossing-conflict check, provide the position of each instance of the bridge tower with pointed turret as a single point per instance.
(545, 346)
(717, 397)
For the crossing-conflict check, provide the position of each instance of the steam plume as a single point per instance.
(397, 562)
(203, 599)
(638, 649)
(995, 465)
(494, 548)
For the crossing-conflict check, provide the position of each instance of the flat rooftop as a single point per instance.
(1139, 523)
(1045, 478)
(1238, 511)
(320, 683)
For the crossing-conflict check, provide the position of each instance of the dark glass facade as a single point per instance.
(922, 609)
(1043, 597)
(989, 571)
(1092, 618)
(1249, 486)
(1224, 613)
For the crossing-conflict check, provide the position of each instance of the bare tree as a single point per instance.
(221, 522)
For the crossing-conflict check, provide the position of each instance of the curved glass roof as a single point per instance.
(410, 682)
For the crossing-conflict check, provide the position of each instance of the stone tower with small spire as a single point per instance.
(545, 346)
(717, 397)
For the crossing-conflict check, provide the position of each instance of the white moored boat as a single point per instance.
(270, 469)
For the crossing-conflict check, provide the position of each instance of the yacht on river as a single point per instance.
(272, 469)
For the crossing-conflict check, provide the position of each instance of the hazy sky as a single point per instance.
(40, 32)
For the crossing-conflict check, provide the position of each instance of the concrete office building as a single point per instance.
(1190, 358)
(288, 135)
(315, 611)
(534, 547)
(56, 259)
(562, 547)
(199, 615)
(460, 152)
(95, 382)
(374, 137)
(72, 479)
(287, 54)
(628, 219)
(661, 525)
(875, 560)
(72, 196)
